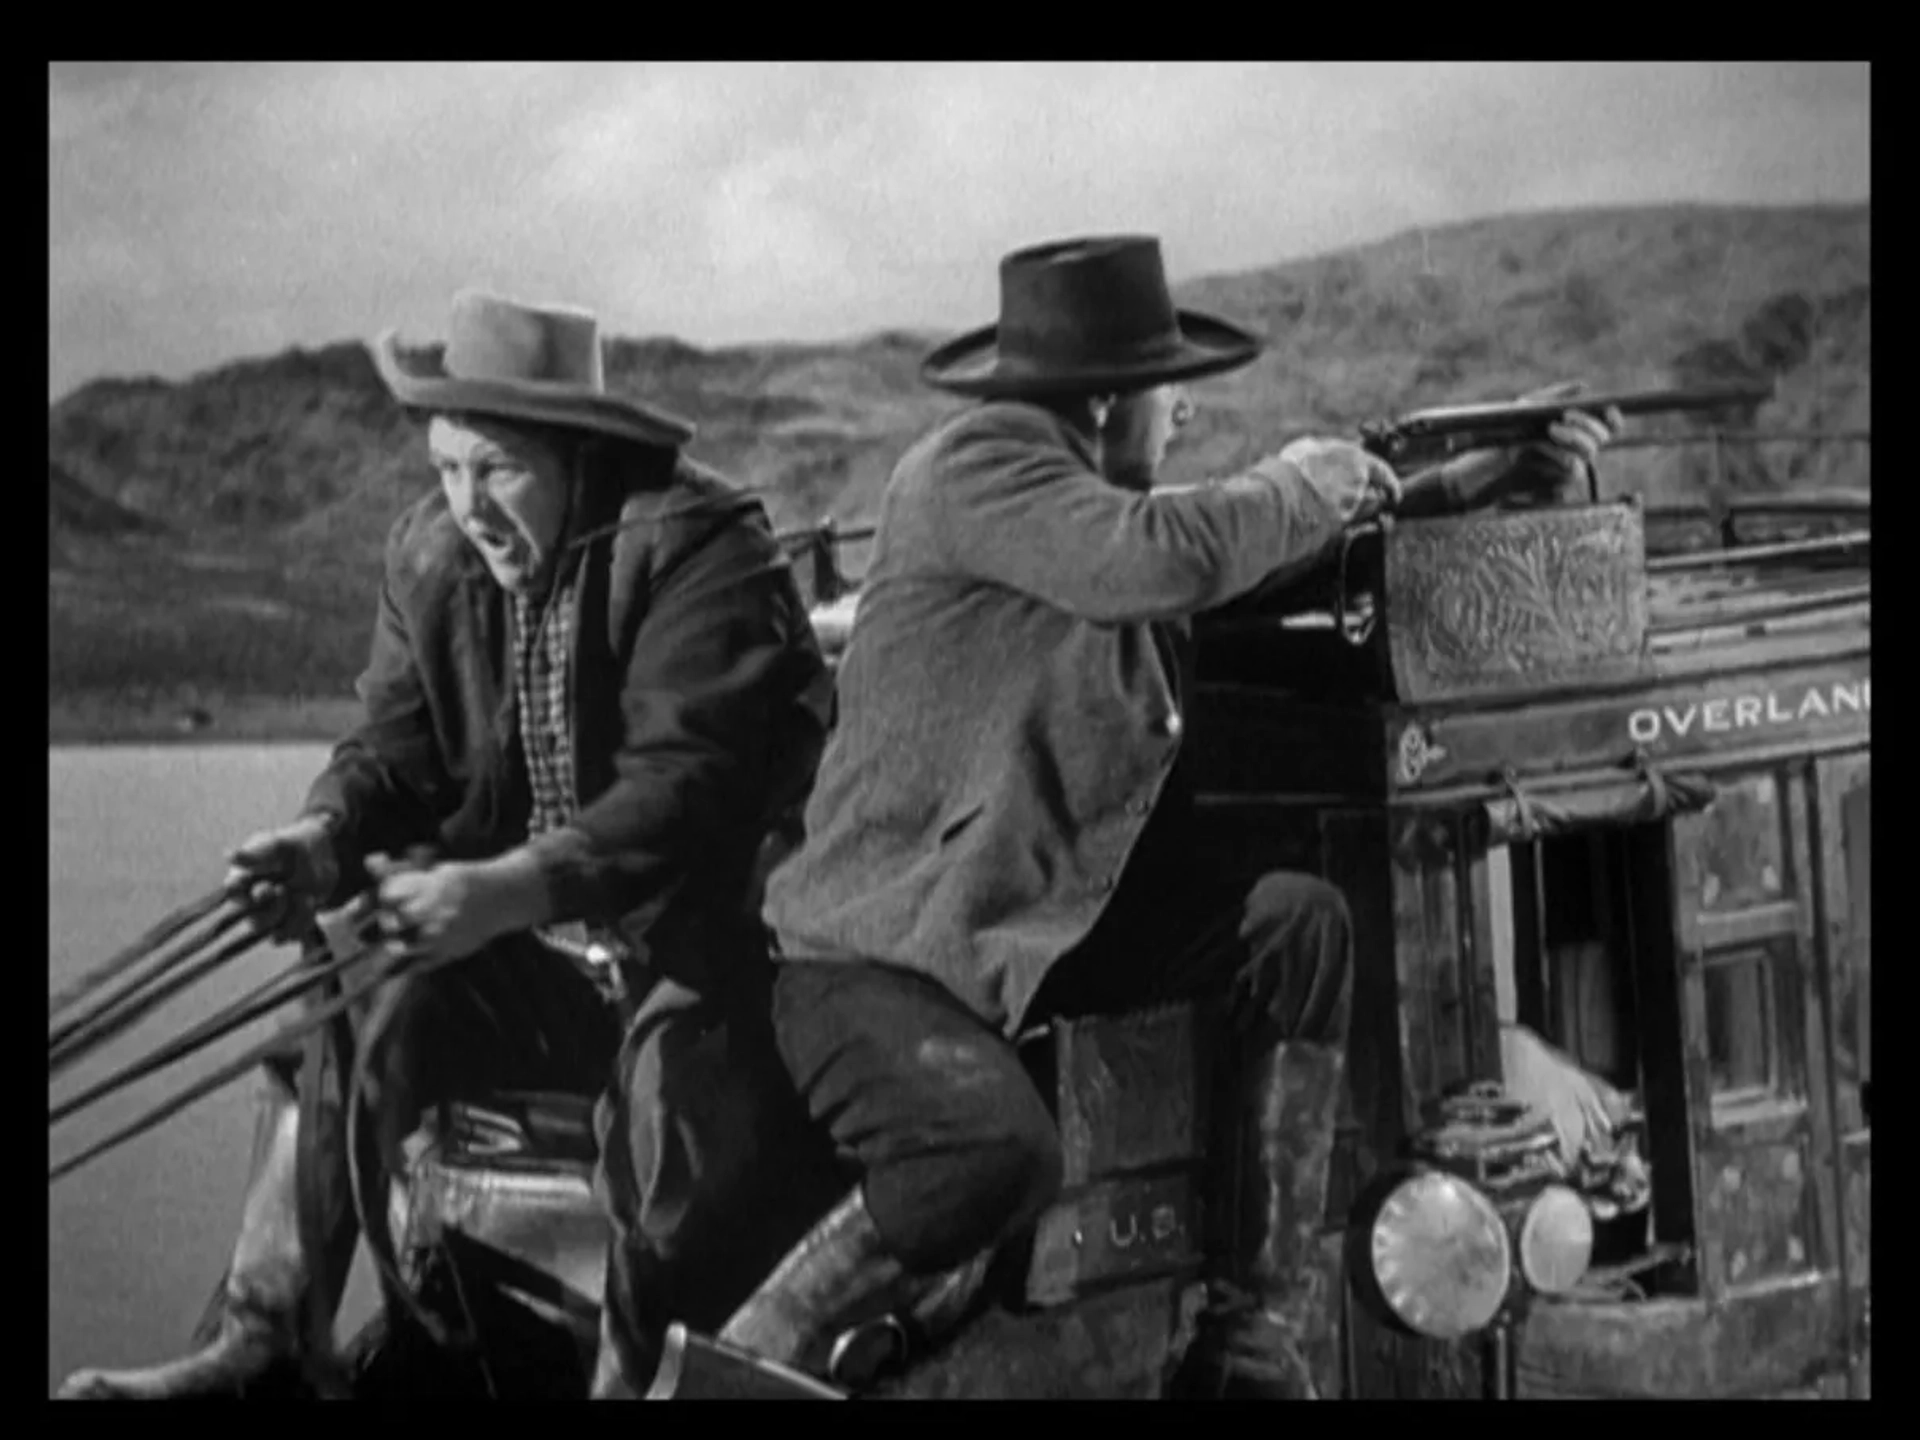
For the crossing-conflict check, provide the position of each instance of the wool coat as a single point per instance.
(700, 705)
(1006, 723)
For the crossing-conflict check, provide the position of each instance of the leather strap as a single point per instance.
(310, 1187)
(373, 1175)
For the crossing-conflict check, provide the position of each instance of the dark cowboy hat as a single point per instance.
(524, 362)
(1087, 316)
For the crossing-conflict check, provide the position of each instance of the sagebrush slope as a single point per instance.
(221, 536)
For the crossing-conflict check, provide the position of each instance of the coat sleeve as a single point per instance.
(373, 790)
(722, 705)
(1015, 506)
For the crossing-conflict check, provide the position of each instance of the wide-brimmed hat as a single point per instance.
(525, 362)
(1086, 316)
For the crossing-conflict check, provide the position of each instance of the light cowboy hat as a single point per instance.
(1087, 315)
(514, 361)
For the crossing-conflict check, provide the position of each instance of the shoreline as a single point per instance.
(96, 721)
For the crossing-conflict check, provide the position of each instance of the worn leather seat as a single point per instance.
(503, 1189)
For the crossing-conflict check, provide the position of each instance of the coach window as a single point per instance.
(1740, 914)
(1741, 1059)
(1583, 955)
(1569, 972)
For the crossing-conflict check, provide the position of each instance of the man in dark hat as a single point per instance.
(592, 688)
(999, 831)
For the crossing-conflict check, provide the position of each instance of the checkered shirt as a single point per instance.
(543, 649)
(543, 695)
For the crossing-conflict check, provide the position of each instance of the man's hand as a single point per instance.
(1357, 484)
(1545, 473)
(1584, 1109)
(286, 874)
(451, 910)
(1573, 445)
(833, 624)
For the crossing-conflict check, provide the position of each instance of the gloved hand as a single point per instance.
(1550, 472)
(1355, 484)
(287, 874)
(1585, 1111)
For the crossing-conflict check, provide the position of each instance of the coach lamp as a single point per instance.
(1458, 1239)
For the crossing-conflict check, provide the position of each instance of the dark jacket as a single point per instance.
(701, 703)
(1005, 725)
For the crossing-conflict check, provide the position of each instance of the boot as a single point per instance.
(928, 1312)
(837, 1276)
(1266, 1328)
(257, 1329)
(838, 1305)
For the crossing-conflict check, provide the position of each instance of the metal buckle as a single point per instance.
(603, 963)
(860, 1355)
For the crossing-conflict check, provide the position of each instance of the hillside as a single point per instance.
(215, 542)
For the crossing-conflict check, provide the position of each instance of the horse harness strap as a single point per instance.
(310, 1197)
(373, 1174)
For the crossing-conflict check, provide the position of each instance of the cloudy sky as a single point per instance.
(204, 212)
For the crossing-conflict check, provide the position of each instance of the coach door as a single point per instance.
(1757, 1039)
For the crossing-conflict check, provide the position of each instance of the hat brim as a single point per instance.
(973, 365)
(567, 406)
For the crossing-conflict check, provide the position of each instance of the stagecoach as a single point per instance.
(1601, 771)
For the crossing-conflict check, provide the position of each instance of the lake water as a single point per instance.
(138, 1238)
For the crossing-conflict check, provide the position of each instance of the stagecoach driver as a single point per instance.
(1000, 831)
(592, 687)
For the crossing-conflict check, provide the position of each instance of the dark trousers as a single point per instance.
(933, 1110)
(708, 1167)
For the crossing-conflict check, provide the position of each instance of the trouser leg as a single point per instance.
(1274, 1334)
(955, 1146)
(253, 1324)
(274, 1299)
(955, 1149)
(951, 1147)
(709, 1172)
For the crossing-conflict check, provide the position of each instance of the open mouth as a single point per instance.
(496, 542)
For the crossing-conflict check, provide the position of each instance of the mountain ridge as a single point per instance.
(220, 535)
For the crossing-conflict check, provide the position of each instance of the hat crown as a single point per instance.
(1092, 299)
(537, 364)
(504, 341)
(1087, 316)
